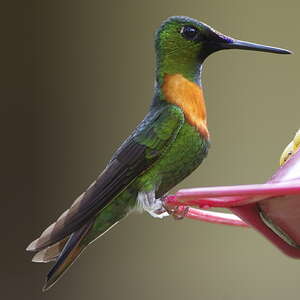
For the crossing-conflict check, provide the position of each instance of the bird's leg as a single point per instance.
(157, 207)
(147, 201)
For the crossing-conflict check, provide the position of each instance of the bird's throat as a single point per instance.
(188, 96)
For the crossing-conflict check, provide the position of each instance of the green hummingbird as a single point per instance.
(169, 143)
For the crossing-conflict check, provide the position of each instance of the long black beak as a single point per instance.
(236, 44)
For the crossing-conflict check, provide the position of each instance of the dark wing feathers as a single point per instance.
(146, 144)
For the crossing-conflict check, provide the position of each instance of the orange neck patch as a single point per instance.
(189, 97)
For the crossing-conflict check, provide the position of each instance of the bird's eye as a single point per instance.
(189, 32)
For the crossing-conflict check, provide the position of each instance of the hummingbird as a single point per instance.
(168, 144)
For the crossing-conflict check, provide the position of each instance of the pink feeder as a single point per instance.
(273, 208)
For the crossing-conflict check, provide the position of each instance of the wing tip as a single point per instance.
(32, 246)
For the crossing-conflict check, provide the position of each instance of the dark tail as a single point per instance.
(68, 255)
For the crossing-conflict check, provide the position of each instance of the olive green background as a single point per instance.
(78, 77)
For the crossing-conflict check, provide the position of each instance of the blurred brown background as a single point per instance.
(78, 77)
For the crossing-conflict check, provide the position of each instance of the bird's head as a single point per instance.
(188, 38)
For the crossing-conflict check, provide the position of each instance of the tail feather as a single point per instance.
(45, 239)
(72, 249)
(51, 253)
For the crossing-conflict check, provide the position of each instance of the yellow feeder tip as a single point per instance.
(290, 149)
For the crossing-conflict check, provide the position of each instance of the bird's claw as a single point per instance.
(178, 212)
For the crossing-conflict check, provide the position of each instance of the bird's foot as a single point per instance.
(148, 202)
(178, 212)
(157, 207)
